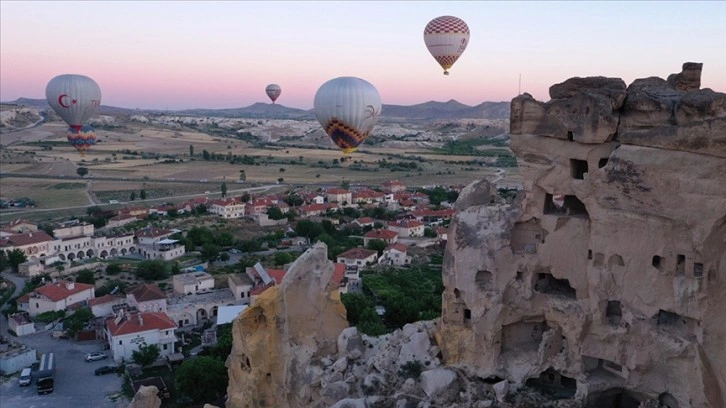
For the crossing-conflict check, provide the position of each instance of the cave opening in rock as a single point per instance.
(681, 264)
(526, 236)
(548, 284)
(697, 270)
(523, 336)
(570, 136)
(578, 169)
(483, 280)
(612, 398)
(613, 312)
(657, 262)
(559, 204)
(602, 163)
(553, 384)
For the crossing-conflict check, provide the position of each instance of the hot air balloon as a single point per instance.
(75, 99)
(347, 108)
(273, 91)
(446, 37)
(81, 139)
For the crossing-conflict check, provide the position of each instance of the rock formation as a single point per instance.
(606, 280)
(146, 397)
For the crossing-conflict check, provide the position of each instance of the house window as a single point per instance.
(697, 270)
(120, 342)
(681, 264)
(166, 346)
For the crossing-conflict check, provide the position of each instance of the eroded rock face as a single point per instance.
(146, 397)
(608, 279)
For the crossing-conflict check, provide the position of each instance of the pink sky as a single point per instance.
(182, 55)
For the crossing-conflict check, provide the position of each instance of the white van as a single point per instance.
(25, 377)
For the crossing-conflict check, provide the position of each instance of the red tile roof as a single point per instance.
(405, 224)
(383, 234)
(29, 238)
(105, 299)
(277, 274)
(364, 220)
(338, 274)
(145, 292)
(338, 191)
(357, 253)
(132, 324)
(153, 232)
(59, 290)
(398, 246)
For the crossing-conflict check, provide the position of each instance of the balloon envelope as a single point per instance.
(82, 138)
(273, 91)
(348, 109)
(74, 98)
(446, 38)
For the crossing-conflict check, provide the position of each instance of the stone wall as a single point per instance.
(606, 279)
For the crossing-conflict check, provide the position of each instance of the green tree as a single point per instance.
(282, 169)
(77, 321)
(203, 379)
(109, 287)
(242, 175)
(223, 257)
(209, 252)
(281, 258)
(223, 187)
(175, 270)
(113, 269)
(355, 304)
(82, 171)
(132, 197)
(429, 232)
(377, 245)
(146, 354)
(151, 270)
(345, 184)
(59, 266)
(206, 155)
(309, 229)
(15, 258)
(370, 323)
(275, 213)
(86, 276)
(280, 180)
(142, 194)
(191, 150)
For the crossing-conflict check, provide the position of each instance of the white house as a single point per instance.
(227, 208)
(55, 297)
(241, 285)
(127, 331)
(193, 282)
(395, 254)
(165, 249)
(146, 297)
(73, 228)
(407, 228)
(358, 257)
(105, 305)
(21, 324)
(149, 236)
(339, 195)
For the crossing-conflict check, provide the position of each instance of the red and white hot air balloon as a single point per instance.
(75, 99)
(446, 38)
(273, 91)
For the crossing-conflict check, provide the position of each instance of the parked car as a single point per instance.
(25, 377)
(107, 370)
(95, 356)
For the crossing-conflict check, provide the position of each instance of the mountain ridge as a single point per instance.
(426, 111)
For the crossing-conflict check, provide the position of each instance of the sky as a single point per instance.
(222, 54)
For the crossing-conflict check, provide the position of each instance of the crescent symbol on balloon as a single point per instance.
(60, 101)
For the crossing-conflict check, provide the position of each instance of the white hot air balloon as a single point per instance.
(446, 38)
(75, 99)
(348, 109)
(273, 91)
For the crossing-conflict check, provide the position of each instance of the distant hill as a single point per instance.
(424, 112)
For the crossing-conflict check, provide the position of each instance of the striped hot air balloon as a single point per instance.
(446, 38)
(273, 91)
(348, 109)
(81, 139)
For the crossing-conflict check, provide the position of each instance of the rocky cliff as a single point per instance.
(602, 285)
(606, 282)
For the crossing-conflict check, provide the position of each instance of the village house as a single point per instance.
(129, 330)
(229, 208)
(120, 220)
(34, 244)
(358, 257)
(137, 211)
(193, 282)
(106, 305)
(263, 279)
(150, 235)
(395, 254)
(73, 228)
(367, 196)
(339, 195)
(146, 297)
(384, 235)
(407, 228)
(442, 233)
(364, 222)
(20, 324)
(241, 286)
(18, 227)
(393, 186)
(193, 309)
(55, 296)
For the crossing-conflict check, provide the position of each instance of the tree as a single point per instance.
(430, 232)
(209, 252)
(146, 354)
(223, 187)
(242, 175)
(132, 197)
(151, 270)
(142, 194)
(377, 245)
(203, 379)
(82, 171)
(355, 304)
(206, 155)
(191, 150)
(59, 266)
(175, 270)
(15, 258)
(113, 269)
(86, 276)
(282, 169)
(345, 184)
(281, 258)
(280, 180)
(224, 256)
(77, 321)
(275, 213)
